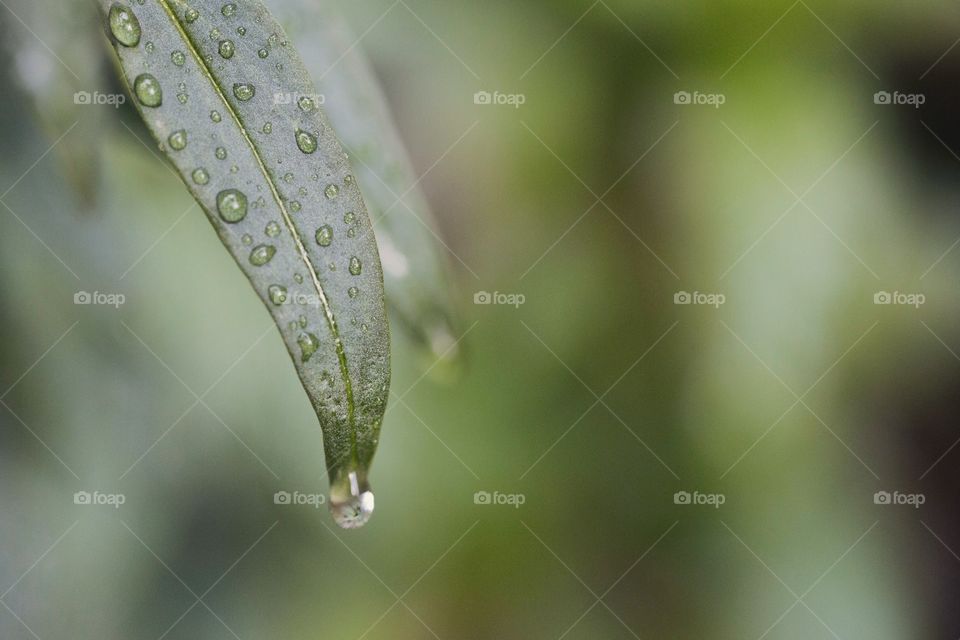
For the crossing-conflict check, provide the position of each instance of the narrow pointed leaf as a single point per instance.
(277, 187)
(414, 257)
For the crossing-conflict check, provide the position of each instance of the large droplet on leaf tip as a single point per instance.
(351, 503)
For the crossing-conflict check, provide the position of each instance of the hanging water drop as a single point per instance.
(232, 205)
(351, 501)
(124, 25)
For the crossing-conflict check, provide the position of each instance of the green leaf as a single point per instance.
(414, 257)
(229, 103)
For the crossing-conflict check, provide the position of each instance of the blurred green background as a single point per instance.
(599, 200)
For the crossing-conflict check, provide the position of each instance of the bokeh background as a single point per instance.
(602, 197)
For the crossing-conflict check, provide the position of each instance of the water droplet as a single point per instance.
(215, 116)
(262, 254)
(214, 34)
(148, 91)
(306, 141)
(353, 292)
(272, 40)
(306, 104)
(272, 229)
(232, 205)
(191, 15)
(244, 91)
(263, 53)
(303, 321)
(351, 232)
(178, 140)
(227, 49)
(278, 294)
(355, 266)
(247, 239)
(183, 97)
(348, 179)
(200, 176)
(308, 345)
(150, 47)
(241, 30)
(351, 501)
(349, 217)
(178, 58)
(268, 128)
(221, 153)
(288, 178)
(298, 278)
(331, 191)
(124, 25)
(324, 235)
(228, 9)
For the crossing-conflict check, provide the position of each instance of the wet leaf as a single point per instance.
(279, 190)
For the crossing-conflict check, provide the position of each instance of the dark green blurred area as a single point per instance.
(597, 400)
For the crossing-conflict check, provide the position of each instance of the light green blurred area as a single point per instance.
(596, 400)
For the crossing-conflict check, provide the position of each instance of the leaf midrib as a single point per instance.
(301, 249)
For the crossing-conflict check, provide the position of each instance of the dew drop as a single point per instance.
(331, 191)
(295, 206)
(178, 58)
(124, 25)
(353, 292)
(200, 176)
(272, 229)
(232, 206)
(272, 39)
(247, 239)
(325, 236)
(215, 116)
(148, 91)
(278, 294)
(349, 217)
(263, 53)
(241, 30)
(228, 9)
(288, 178)
(306, 141)
(227, 49)
(244, 91)
(150, 47)
(351, 502)
(306, 104)
(178, 140)
(355, 266)
(262, 254)
(214, 34)
(191, 15)
(221, 153)
(183, 97)
(268, 128)
(308, 345)
(348, 179)
(298, 278)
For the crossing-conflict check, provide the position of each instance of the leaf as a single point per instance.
(415, 267)
(229, 103)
